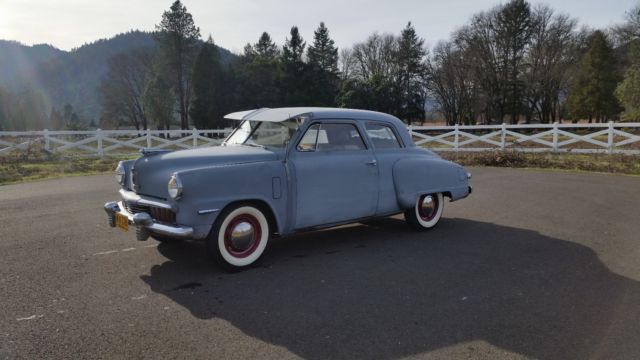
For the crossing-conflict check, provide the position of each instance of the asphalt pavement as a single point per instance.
(534, 264)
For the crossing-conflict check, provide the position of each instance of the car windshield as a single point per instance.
(263, 133)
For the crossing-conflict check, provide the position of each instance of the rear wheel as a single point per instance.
(239, 237)
(426, 213)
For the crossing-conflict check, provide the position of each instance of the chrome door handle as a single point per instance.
(372, 163)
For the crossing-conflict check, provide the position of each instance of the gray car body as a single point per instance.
(301, 190)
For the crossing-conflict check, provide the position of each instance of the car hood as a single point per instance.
(151, 172)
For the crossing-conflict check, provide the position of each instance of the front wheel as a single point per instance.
(239, 237)
(426, 213)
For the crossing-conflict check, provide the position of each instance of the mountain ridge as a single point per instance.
(70, 76)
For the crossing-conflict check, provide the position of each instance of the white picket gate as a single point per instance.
(610, 138)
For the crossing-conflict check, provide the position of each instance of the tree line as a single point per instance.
(512, 63)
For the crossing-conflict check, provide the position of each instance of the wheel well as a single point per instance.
(264, 207)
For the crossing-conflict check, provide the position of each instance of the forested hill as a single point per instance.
(71, 77)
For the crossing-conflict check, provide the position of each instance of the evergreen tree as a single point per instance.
(207, 108)
(322, 58)
(592, 95)
(258, 73)
(178, 37)
(265, 47)
(628, 91)
(410, 58)
(293, 76)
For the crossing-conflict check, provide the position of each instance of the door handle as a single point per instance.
(372, 163)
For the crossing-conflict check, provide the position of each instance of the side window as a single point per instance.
(331, 137)
(382, 136)
(339, 137)
(308, 141)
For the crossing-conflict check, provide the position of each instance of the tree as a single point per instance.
(515, 25)
(207, 107)
(450, 82)
(411, 75)
(3, 112)
(322, 58)
(630, 29)
(552, 53)
(258, 73)
(178, 38)
(628, 91)
(265, 47)
(294, 71)
(159, 102)
(592, 94)
(122, 88)
(497, 40)
(71, 120)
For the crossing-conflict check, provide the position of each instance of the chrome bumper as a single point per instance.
(145, 225)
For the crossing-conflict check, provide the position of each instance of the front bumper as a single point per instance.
(145, 225)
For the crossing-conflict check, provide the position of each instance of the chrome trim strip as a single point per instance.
(207, 211)
(131, 196)
(145, 220)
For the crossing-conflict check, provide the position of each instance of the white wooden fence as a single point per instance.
(610, 137)
(622, 138)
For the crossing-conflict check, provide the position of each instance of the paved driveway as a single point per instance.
(534, 264)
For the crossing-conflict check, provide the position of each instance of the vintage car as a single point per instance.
(282, 171)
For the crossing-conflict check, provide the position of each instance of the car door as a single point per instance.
(388, 148)
(336, 175)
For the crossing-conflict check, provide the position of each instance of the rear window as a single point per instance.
(382, 136)
(331, 137)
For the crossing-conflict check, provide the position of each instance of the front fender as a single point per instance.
(415, 176)
(207, 191)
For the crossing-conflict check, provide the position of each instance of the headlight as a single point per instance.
(175, 187)
(120, 173)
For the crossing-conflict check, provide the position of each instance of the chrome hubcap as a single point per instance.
(428, 205)
(242, 235)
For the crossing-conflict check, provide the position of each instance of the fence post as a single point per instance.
(148, 138)
(610, 138)
(99, 137)
(46, 140)
(195, 137)
(455, 137)
(555, 136)
(503, 136)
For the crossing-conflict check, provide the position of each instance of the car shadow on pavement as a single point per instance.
(383, 291)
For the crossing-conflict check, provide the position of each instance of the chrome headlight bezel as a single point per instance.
(120, 173)
(174, 187)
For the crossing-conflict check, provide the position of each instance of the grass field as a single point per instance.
(21, 168)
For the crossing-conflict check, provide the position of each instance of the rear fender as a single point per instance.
(415, 176)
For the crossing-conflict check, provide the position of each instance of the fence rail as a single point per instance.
(623, 138)
(620, 138)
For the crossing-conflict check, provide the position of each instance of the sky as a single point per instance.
(67, 24)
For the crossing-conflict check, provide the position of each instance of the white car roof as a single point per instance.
(282, 114)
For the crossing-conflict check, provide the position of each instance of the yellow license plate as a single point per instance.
(122, 222)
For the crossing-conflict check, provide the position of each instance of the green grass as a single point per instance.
(16, 171)
(37, 165)
(604, 163)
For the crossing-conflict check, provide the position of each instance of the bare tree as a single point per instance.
(124, 85)
(552, 53)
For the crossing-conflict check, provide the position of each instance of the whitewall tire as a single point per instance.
(239, 237)
(427, 211)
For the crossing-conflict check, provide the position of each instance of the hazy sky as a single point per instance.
(70, 23)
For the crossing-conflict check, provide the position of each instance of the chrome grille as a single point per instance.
(157, 213)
